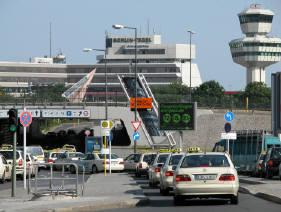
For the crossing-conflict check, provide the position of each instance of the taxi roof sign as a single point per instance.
(169, 150)
(193, 149)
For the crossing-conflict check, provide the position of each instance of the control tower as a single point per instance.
(257, 50)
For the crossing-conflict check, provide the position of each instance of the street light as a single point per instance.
(190, 35)
(105, 75)
(119, 26)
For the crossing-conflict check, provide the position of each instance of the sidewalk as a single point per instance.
(117, 190)
(260, 187)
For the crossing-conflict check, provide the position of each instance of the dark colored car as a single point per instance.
(271, 163)
(258, 172)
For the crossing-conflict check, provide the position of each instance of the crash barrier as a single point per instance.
(56, 183)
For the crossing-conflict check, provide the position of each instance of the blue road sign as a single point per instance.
(136, 136)
(68, 113)
(229, 116)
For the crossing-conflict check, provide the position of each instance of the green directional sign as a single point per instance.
(177, 116)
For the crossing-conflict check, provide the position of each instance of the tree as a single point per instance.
(259, 95)
(257, 90)
(209, 89)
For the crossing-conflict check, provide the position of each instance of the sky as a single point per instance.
(76, 24)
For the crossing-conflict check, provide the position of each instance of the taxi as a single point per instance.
(155, 168)
(145, 160)
(205, 175)
(167, 172)
(5, 169)
(94, 163)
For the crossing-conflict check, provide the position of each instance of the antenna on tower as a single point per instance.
(148, 27)
(50, 39)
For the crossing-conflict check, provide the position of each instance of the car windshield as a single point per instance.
(9, 154)
(35, 151)
(162, 158)
(113, 156)
(193, 161)
(175, 159)
(276, 153)
(148, 158)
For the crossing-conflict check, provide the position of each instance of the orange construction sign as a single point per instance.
(142, 103)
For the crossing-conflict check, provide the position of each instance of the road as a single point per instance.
(247, 203)
(43, 183)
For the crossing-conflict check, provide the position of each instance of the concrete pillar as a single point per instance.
(255, 74)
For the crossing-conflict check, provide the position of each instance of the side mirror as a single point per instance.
(174, 167)
(10, 162)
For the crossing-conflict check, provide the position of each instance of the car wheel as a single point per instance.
(234, 200)
(94, 169)
(72, 170)
(177, 200)
(3, 178)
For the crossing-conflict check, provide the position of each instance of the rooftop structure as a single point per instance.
(257, 50)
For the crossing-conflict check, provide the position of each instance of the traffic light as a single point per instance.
(13, 120)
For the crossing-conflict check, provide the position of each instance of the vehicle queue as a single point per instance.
(190, 174)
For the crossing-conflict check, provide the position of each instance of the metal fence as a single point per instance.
(54, 183)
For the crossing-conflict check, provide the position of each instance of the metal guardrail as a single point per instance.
(51, 189)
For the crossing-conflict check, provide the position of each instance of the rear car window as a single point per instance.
(194, 161)
(175, 159)
(113, 156)
(162, 158)
(35, 150)
(9, 154)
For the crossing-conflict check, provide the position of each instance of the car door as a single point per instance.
(129, 162)
(8, 168)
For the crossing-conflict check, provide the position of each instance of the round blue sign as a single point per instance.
(229, 116)
(136, 136)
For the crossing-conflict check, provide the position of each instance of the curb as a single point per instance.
(104, 206)
(251, 182)
(261, 195)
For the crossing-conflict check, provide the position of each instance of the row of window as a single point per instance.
(248, 44)
(241, 54)
(255, 18)
(144, 51)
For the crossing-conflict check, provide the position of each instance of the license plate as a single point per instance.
(205, 177)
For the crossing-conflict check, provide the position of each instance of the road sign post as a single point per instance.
(228, 116)
(25, 120)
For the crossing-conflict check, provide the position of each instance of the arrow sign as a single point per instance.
(136, 136)
(229, 116)
(136, 124)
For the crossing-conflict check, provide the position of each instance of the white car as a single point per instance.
(67, 157)
(117, 163)
(94, 163)
(5, 169)
(130, 162)
(167, 173)
(142, 166)
(155, 168)
(205, 175)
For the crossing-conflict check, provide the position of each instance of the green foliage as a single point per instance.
(258, 95)
(209, 89)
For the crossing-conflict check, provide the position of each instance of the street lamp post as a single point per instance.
(118, 26)
(190, 35)
(105, 76)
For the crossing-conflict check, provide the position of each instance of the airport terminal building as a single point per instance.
(160, 63)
